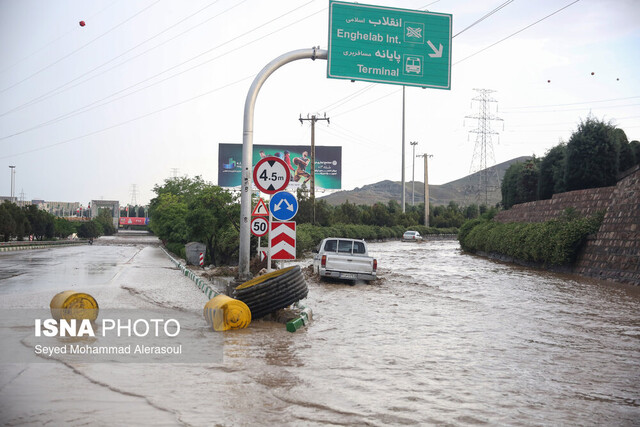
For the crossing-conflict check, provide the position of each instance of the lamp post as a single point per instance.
(413, 174)
(13, 183)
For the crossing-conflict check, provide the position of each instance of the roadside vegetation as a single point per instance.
(593, 157)
(551, 243)
(596, 152)
(193, 210)
(18, 223)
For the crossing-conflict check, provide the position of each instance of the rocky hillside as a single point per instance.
(462, 191)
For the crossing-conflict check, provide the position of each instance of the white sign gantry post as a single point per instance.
(247, 150)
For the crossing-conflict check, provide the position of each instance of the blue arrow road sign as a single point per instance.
(283, 206)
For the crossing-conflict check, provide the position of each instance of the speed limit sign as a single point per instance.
(259, 226)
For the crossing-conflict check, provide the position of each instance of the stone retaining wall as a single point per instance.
(585, 202)
(614, 252)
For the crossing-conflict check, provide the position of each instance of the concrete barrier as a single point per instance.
(22, 246)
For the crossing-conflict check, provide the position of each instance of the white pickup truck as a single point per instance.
(345, 259)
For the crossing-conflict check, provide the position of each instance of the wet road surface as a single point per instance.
(443, 338)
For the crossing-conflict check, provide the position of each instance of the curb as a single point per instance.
(200, 283)
(38, 246)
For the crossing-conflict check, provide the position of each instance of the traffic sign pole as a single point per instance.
(247, 150)
(269, 245)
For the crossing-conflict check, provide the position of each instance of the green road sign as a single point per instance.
(389, 45)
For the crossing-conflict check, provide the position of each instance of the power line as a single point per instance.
(80, 48)
(505, 4)
(517, 32)
(482, 50)
(66, 141)
(361, 91)
(51, 92)
(56, 39)
(569, 109)
(574, 103)
(367, 103)
(92, 105)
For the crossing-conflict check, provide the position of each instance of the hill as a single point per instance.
(462, 191)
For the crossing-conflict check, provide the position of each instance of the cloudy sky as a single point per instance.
(149, 88)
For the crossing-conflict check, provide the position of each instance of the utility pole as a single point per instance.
(426, 187)
(313, 119)
(403, 182)
(134, 195)
(413, 174)
(13, 183)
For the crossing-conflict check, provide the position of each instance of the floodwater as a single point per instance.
(444, 338)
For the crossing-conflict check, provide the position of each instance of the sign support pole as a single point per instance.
(247, 149)
(403, 156)
(269, 243)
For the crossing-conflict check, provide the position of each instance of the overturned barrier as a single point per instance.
(224, 313)
(303, 319)
(74, 305)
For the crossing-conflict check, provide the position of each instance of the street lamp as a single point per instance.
(413, 178)
(13, 183)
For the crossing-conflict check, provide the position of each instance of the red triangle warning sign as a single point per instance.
(260, 209)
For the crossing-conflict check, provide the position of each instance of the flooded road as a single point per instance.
(443, 339)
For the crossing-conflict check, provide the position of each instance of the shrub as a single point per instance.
(555, 242)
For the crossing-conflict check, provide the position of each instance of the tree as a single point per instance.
(472, 211)
(210, 213)
(527, 185)
(348, 213)
(552, 168)
(169, 218)
(22, 225)
(7, 223)
(105, 221)
(520, 183)
(63, 227)
(41, 222)
(592, 156)
(89, 230)
(635, 147)
(184, 187)
(380, 215)
(626, 155)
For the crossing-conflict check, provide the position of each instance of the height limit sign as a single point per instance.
(271, 175)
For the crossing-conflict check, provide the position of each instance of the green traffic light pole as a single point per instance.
(247, 149)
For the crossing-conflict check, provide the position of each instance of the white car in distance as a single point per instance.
(411, 236)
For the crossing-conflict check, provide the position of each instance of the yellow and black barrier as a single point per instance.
(74, 305)
(224, 313)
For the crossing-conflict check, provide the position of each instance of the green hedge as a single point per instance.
(554, 242)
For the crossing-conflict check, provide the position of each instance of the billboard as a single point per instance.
(297, 157)
(129, 220)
